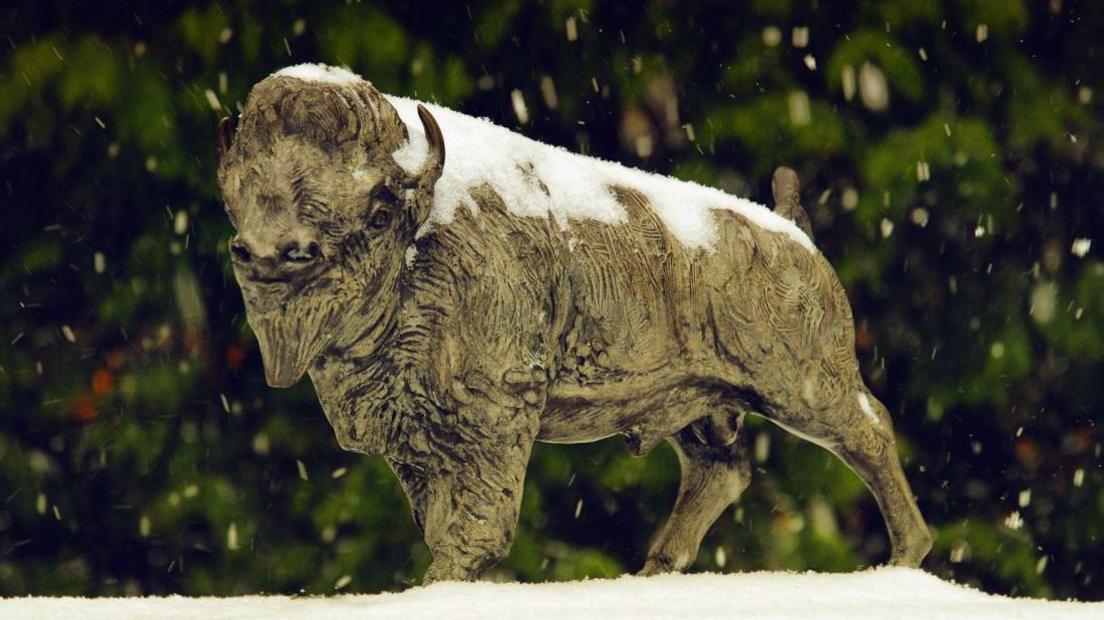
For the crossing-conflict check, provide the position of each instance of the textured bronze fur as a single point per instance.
(498, 334)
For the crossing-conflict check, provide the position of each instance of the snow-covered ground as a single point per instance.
(878, 593)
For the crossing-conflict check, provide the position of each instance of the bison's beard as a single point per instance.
(292, 336)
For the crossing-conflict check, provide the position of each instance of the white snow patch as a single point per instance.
(864, 404)
(578, 187)
(898, 593)
(319, 73)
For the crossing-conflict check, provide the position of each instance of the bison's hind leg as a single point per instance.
(858, 430)
(713, 476)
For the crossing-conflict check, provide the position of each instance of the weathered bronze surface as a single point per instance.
(498, 334)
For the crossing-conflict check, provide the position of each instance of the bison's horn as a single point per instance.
(224, 137)
(435, 160)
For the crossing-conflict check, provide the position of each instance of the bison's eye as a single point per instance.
(380, 219)
(230, 214)
(383, 200)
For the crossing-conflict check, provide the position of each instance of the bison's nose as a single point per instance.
(279, 260)
(298, 253)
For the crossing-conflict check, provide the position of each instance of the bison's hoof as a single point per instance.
(657, 566)
(911, 553)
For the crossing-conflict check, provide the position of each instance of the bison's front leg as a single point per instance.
(474, 494)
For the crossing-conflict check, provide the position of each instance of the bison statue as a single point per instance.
(451, 311)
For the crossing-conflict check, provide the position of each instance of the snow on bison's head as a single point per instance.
(322, 209)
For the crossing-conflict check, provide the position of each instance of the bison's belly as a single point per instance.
(665, 399)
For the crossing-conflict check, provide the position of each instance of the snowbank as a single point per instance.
(878, 593)
(536, 179)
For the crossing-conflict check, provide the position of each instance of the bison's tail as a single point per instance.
(787, 199)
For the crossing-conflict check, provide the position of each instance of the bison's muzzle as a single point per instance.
(288, 324)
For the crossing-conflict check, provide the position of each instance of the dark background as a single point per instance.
(952, 156)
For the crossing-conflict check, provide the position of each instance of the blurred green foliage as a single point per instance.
(952, 156)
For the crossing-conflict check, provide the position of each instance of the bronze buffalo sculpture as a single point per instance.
(452, 311)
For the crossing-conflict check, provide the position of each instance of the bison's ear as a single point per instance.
(224, 137)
